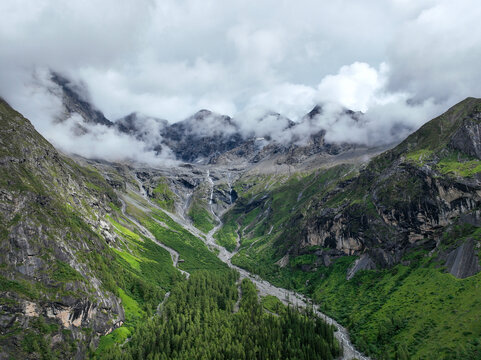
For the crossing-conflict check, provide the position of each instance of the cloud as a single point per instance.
(75, 136)
(437, 53)
(102, 142)
(355, 86)
(388, 116)
(399, 61)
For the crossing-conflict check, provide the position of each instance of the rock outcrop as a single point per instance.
(363, 263)
(75, 101)
(463, 262)
(468, 137)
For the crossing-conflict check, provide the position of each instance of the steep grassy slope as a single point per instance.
(44, 210)
(263, 212)
(199, 211)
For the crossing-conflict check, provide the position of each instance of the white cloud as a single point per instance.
(170, 58)
(437, 53)
(355, 86)
(105, 143)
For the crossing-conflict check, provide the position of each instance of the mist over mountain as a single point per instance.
(77, 126)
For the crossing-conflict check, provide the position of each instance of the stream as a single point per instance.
(174, 255)
(265, 288)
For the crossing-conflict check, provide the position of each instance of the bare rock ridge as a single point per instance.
(75, 101)
(202, 136)
(468, 138)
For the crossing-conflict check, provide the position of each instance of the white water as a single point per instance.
(229, 183)
(265, 288)
(211, 183)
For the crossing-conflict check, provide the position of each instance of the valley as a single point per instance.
(375, 250)
(288, 297)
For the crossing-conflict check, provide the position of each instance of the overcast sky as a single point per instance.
(399, 60)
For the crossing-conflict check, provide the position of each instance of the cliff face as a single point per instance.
(406, 196)
(51, 230)
(468, 137)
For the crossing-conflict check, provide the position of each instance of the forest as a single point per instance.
(204, 318)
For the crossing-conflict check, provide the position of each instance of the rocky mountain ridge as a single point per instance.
(409, 196)
(210, 138)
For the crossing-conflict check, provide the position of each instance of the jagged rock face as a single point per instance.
(41, 236)
(133, 124)
(206, 137)
(468, 138)
(316, 144)
(202, 136)
(74, 102)
(410, 204)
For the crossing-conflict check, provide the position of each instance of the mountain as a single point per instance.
(385, 241)
(95, 263)
(389, 247)
(54, 246)
(406, 195)
(202, 136)
(208, 137)
(75, 100)
(144, 128)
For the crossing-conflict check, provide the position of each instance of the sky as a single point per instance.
(401, 62)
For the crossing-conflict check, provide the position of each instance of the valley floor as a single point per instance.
(264, 288)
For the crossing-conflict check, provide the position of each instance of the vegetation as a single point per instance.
(201, 217)
(198, 322)
(265, 207)
(64, 272)
(409, 311)
(459, 164)
(163, 196)
(226, 236)
(192, 250)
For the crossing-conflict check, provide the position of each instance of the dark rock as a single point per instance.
(463, 262)
(75, 100)
(203, 136)
(473, 219)
(468, 138)
(363, 263)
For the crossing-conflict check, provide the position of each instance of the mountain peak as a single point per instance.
(75, 100)
(439, 132)
(202, 113)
